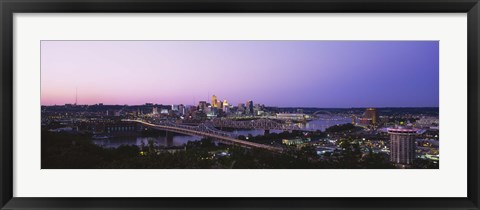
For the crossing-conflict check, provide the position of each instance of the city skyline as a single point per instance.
(322, 74)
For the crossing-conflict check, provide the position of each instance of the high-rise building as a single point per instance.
(372, 115)
(214, 101)
(369, 117)
(181, 109)
(219, 104)
(241, 108)
(226, 106)
(202, 105)
(402, 145)
(249, 108)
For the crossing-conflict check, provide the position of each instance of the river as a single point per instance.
(179, 140)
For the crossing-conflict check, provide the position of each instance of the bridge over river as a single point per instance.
(205, 130)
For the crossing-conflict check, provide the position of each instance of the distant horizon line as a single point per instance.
(265, 106)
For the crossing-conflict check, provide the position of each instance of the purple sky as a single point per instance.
(274, 73)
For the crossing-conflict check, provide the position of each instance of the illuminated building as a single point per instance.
(372, 114)
(226, 106)
(291, 116)
(297, 141)
(219, 105)
(155, 110)
(354, 120)
(402, 145)
(214, 101)
(370, 117)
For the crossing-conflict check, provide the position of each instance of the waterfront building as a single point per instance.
(402, 145)
(291, 116)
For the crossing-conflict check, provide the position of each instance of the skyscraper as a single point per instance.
(370, 117)
(181, 109)
(241, 108)
(249, 109)
(402, 146)
(202, 105)
(214, 101)
(372, 114)
(225, 106)
(219, 104)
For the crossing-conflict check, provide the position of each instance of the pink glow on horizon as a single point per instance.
(278, 73)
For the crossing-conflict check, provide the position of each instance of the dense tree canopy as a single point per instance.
(67, 151)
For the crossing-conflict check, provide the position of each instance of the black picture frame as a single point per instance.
(9, 7)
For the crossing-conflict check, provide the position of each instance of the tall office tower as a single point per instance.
(225, 106)
(241, 108)
(219, 104)
(181, 109)
(202, 105)
(249, 108)
(372, 115)
(402, 146)
(214, 101)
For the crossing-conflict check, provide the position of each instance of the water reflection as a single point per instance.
(323, 124)
(177, 140)
(255, 132)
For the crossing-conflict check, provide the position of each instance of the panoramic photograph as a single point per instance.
(246, 104)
